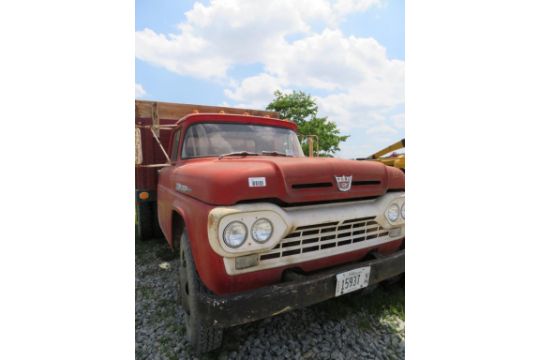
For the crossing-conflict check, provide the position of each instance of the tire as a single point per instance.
(177, 238)
(145, 221)
(158, 234)
(203, 337)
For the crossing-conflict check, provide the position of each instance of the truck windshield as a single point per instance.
(215, 139)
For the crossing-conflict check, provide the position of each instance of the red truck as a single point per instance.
(260, 228)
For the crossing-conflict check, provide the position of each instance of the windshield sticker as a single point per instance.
(257, 181)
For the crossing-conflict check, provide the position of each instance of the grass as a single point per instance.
(385, 305)
(384, 302)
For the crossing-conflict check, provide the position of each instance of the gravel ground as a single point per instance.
(353, 326)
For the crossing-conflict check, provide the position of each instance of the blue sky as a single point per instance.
(348, 54)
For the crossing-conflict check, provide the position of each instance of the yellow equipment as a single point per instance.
(394, 159)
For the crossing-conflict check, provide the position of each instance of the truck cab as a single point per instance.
(262, 229)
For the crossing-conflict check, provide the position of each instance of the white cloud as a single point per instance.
(183, 54)
(362, 106)
(255, 91)
(361, 85)
(399, 120)
(329, 60)
(345, 7)
(351, 150)
(139, 91)
(227, 32)
(381, 129)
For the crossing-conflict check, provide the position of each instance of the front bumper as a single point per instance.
(304, 290)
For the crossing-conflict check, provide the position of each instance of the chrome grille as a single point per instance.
(320, 237)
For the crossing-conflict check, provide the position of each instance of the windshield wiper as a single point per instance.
(238, 153)
(274, 153)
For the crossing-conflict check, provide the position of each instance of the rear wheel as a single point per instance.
(203, 337)
(145, 221)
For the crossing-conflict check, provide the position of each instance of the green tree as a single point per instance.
(302, 109)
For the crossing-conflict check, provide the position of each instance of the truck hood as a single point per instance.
(291, 180)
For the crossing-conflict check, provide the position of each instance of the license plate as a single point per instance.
(352, 280)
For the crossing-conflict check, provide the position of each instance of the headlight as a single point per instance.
(235, 234)
(403, 211)
(262, 230)
(392, 213)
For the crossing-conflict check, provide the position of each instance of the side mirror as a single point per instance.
(138, 147)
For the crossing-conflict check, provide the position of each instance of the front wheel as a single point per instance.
(203, 337)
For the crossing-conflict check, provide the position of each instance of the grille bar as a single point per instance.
(298, 236)
(320, 237)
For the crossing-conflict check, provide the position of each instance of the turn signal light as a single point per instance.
(144, 195)
(247, 261)
(394, 232)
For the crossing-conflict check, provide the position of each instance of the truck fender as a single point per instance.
(184, 223)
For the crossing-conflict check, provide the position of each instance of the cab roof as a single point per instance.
(235, 118)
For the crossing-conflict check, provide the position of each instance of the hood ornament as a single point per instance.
(344, 182)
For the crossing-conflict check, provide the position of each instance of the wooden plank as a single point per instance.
(155, 118)
(144, 109)
(138, 147)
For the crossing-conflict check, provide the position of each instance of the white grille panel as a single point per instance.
(313, 239)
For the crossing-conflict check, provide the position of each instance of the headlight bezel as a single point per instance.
(402, 211)
(279, 228)
(259, 220)
(246, 233)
